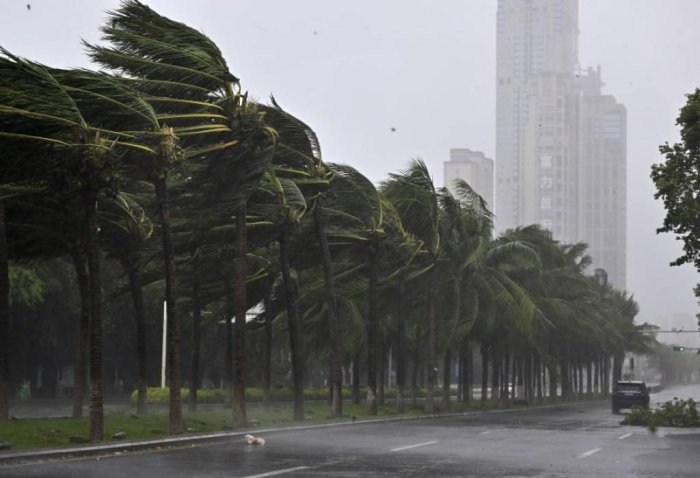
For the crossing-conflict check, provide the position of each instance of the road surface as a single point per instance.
(572, 440)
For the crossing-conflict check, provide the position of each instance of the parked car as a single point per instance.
(628, 394)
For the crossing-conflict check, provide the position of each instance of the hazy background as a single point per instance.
(353, 70)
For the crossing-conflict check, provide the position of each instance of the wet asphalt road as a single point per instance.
(579, 440)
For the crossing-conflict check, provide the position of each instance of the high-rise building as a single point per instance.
(473, 167)
(602, 177)
(560, 143)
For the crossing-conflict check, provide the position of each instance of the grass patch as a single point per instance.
(33, 433)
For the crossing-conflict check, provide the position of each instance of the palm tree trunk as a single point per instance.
(484, 374)
(507, 378)
(372, 336)
(565, 374)
(596, 376)
(4, 321)
(240, 271)
(229, 312)
(460, 373)
(430, 359)
(447, 359)
(538, 376)
(336, 371)
(295, 345)
(603, 371)
(356, 376)
(553, 380)
(95, 287)
(495, 379)
(173, 333)
(196, 335)
(446, 378)
(467, 371)
(139, 317)
(401, 348)
(381, 361)
(267, 352)
(81, 355)
(580, 380)
(529, 382)
(416, 367)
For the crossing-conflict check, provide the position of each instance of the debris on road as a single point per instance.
(253, 440)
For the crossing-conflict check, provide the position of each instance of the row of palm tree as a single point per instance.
(164, 140)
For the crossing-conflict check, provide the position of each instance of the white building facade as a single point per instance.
(560, 143)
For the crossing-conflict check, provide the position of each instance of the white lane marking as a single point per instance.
(589, 453)
(626, 435)
(279, 472)
(486, 432)
(402, 448)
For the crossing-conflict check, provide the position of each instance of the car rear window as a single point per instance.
(629, 387)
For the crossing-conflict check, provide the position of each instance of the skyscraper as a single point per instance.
(560, 143)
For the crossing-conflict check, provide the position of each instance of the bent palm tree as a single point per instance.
(59, 109)
(184, 76)
(298, 156)
(415, 198)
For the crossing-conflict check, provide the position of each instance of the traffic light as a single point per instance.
(678, 349)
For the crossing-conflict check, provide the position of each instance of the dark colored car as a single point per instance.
(628, 394)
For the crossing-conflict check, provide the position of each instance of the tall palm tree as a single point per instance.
(284, 208)
(183, 74)
(298, 156)
(415, 198)
(465, 225)
(126, 231)
(60, 108)
(372, 249)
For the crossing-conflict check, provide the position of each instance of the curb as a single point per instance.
(160, 443)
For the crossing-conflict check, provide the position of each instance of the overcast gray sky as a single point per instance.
(353, 70)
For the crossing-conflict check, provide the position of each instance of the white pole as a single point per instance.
(165, 333)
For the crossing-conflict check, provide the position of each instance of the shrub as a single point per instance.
(162, 395)
(675, 413)
(254, 394)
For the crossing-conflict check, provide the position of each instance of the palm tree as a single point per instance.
(367, 233)
(59, 108)
(465, 224)
(125, 235)
(286, 206)
(298, 156)
(415, 198)
(184, 76)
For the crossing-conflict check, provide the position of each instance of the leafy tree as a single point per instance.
(677, 183)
